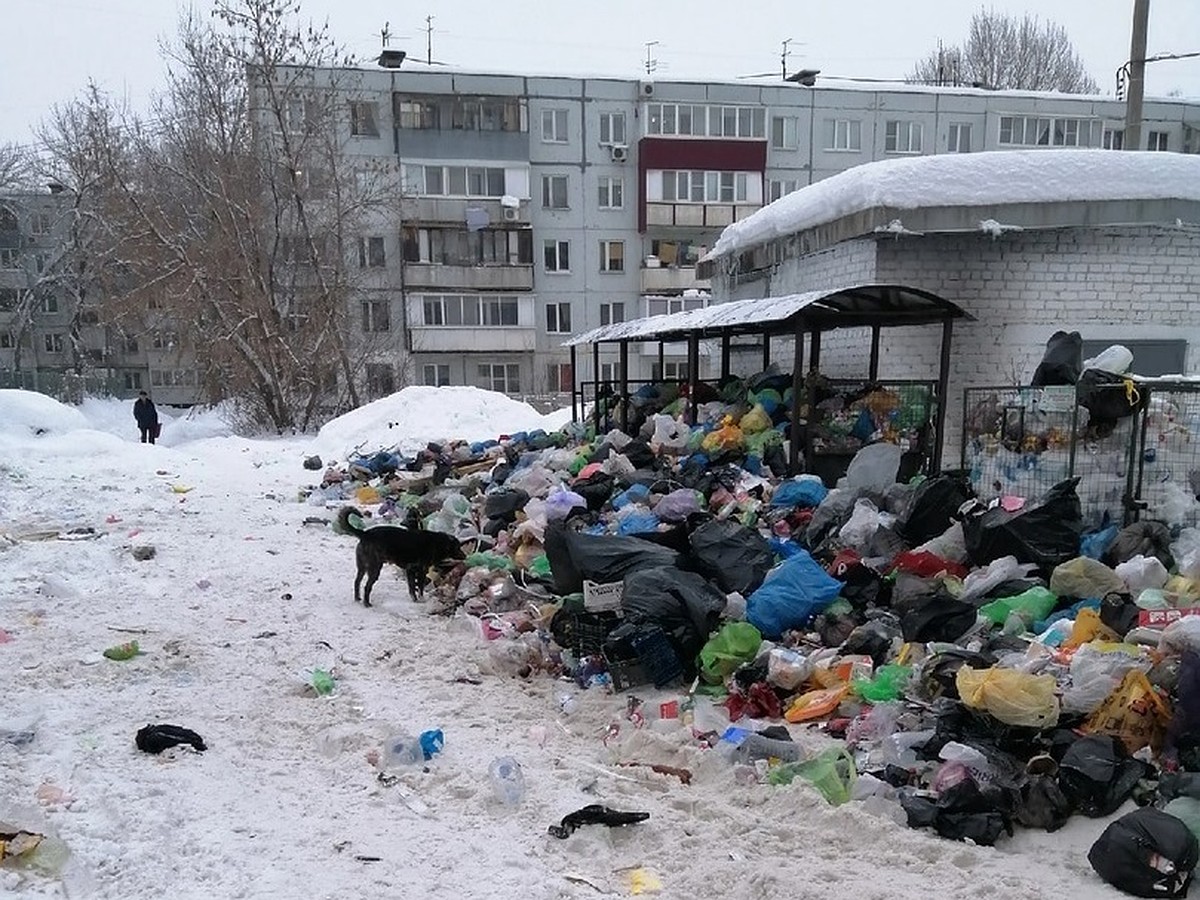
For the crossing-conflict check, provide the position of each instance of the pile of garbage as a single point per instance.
(969, 666)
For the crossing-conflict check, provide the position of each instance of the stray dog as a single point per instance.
(413, 550)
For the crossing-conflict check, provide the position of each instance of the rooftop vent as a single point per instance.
(391, 59)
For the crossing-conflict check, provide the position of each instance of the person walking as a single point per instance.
(147, 417)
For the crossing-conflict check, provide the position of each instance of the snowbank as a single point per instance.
(29, 413)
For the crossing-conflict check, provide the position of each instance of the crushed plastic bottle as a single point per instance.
(401, 751)
(508, 781)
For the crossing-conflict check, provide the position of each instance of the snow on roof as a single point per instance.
(970, 179)
(850, 303)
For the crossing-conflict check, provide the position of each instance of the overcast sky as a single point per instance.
(51, 48)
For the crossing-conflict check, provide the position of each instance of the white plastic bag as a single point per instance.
(950, 545)
(994, 574)
(669, 435)
(1141, 572)
(787, 668)
(1186, 551)
(861, 526)
(1115, 359)
(1095, 674)
(874, 467)
(1182, 634)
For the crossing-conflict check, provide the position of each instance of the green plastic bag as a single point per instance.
(540, 566)
(832, 773)
(580, 461)
(734, 644)
(1032, 606)
(888, 684)
(493, 561)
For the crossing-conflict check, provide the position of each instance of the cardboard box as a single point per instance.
(1161, 618)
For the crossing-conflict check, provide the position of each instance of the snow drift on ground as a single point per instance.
(413, 417)
(242, 599)
(993, 178)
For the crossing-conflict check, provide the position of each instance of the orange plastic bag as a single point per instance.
(1088, 628)
(815, 704)
(1135, 713)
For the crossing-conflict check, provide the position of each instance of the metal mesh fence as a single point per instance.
(1168, 454)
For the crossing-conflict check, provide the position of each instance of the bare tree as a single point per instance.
(15, 167)
(1003, 52)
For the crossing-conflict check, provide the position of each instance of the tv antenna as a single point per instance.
(785, 52)
(651, 60)
(385, 35)
(429, 40)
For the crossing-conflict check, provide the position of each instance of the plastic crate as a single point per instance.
(655, 661)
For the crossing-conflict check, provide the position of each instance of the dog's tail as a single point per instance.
(343, 520)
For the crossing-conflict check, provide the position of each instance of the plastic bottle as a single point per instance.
(756, 746)
(508, 782)
(401, 750)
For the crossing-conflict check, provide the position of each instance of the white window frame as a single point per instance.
(50, 304)
(1112, 138)
(507, 375)
(845, 136)
(53, 342)
(558, 251)
(364, 118)
(672, 370)
(1060, 131)
(699, 120)
(39, 223)
(1158, 140)
(959, 134)
(610, 124)
(554, 126)
(471, 310)
(548, 190)
(10, 258)
(367, 259)
(787, 137)
(611, 192)
(612, 313)
(416, 180)
(558, 374)
(658, 306)
(609, 372)
(435, 374)
(610, 261)
(376, 316)
(558, 317)
(902, 136)
(781, 188)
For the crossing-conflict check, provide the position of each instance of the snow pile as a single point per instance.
(26, 413)
(970, 179)
(411, 418)
(178, 425)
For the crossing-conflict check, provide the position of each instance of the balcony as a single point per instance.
(698, 215)
(519, 338)
(453, 210)
(671, 280)
(471, 278)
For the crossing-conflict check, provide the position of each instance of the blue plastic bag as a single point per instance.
(803, 492)
(792, 595)
(432, 742)
(638, 523)
(1094, 543)
(784, 548)
(637, 493)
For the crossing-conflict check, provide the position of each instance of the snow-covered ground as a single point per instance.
(242, 600)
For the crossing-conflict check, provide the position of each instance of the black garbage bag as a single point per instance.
(736, 557)
(595, 814)
(1179, 784)
(873, 639)
(596, 489)
(936, 617)
(1046, 533)
(1098, 775)
(938, 675)
(1043, 804)
(1107, 397)
(602, 558)
(1145, 538)
(1147, 853)
(685, 605)
(1183, 732)
(863, 587)
(1062, 362)
(932, 507)
(505, 504)
(1119, 612)
(157, 738)
(639, 453)
(961, 812)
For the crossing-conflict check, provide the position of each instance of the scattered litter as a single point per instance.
(595, 814)
(157, 738)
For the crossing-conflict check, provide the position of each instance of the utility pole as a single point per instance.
(1132, 139)
(429, 40)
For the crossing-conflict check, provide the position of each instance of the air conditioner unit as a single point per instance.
(618, 152)
(646, 88)
(510, 213)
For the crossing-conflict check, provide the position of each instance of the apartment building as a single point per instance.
(536, 207)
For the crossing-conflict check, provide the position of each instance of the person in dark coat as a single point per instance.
(147, 417)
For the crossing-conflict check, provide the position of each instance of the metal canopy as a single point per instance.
(884, 305)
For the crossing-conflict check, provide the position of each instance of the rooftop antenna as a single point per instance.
(429, 40)
(385, 35)
(651, 61)
(784, 55)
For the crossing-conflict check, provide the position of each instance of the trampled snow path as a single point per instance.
(283, 803)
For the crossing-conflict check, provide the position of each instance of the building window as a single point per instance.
(39, 223)
(844, 135)
(172, 377)
(902, 137)
(370, 253)
(706, 121)
(1034, 131)
(557, 256)
(661, 306)
(675, 253)
(6, 340)
(436, 374)
(53, 342)
(132, 380)
(776, 189)
(959, 140)
(50, 304)
(1113, 139)
(612, 192)
(612, 128)
(669, 371)
(554, 126)
(363, 119)
(457, 310)
(418, 114)
(375, 316)
(10, 258)
(554, 192)
(710, 187)
(1156, 140)
(558, 318)
(130, 343)
(502, 377)
(489, 114)
(164, 340)
(783, 133)
(454, 181)
(381, 379)
(608, 372)
(89, 317)
(612, 256)
(612, 313)
(558, 377)
(459, 247)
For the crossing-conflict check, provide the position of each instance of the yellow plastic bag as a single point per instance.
(755, 421)
(727, 437)
(367, 494)
(1010, 696)
(1135, 713)
(815, 704)
(1088, 628)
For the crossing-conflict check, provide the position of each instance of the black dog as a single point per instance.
(412, 550)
